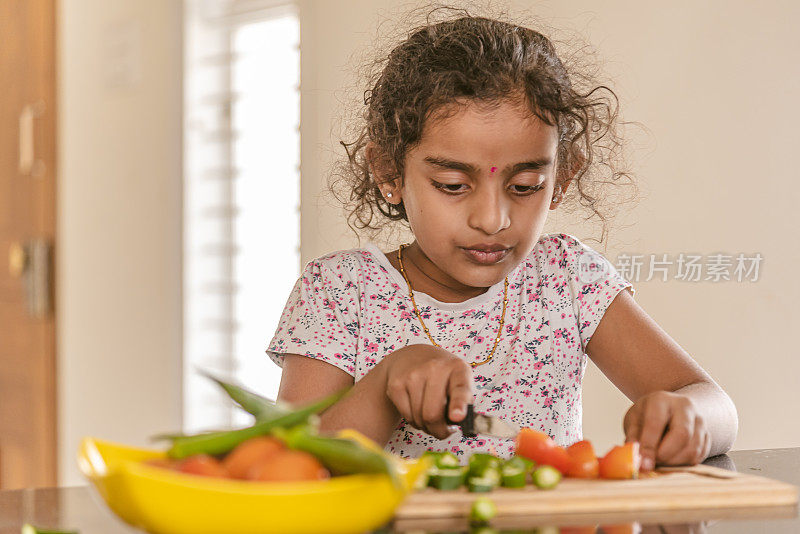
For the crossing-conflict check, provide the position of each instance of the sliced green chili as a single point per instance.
(443, 459)
(546, 477)
(483, 509)
(515, 472)
(448, 478)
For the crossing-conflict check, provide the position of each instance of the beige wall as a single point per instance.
(119, 223)
(715, 84)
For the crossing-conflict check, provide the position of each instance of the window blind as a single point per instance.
(242, 195)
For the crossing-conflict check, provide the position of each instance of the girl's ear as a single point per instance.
(565, 176)
(382, 174)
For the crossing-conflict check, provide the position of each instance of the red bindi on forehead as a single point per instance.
(494, 169)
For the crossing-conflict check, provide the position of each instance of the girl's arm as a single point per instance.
(669, 389)
(414, 382)
(365, 408)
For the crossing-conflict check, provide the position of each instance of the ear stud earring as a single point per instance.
(388, 195)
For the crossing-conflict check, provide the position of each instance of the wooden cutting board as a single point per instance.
(681, 488)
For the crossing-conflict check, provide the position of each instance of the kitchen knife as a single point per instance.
(478, 423)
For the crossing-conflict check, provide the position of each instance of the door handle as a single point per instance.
(28, 164)
(33, 262)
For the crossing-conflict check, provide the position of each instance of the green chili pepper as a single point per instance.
(480, 462)
(214, 443)
(443, 459)
(253, 403)
(447, 478)
(483, 509)
(341, 456)
(27, 528)
(546, 477)
(486, 481)
(515, 472)
(177, 435)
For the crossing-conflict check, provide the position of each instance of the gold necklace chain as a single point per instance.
(425, 328)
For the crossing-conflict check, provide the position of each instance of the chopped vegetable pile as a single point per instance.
(537, 458)
(283, 445)
(486, 472)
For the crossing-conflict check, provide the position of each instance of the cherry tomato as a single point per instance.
(541, 448)
(202, 464)
(622, 461)
(288, 465)
(583, 461)
(240, 460)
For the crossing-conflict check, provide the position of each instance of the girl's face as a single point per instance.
(477, 190)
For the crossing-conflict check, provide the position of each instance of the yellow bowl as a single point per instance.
(167, 502)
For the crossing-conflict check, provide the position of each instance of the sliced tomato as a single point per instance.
(583, 461)
(202, 464)
(248, 453)
(288, 465)
(622, 461)
(541, 448)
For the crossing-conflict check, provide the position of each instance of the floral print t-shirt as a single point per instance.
(351, 309)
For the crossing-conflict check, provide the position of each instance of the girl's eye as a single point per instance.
(451, 188)
(526, 189)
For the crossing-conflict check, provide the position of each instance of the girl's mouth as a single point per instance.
(485, 257)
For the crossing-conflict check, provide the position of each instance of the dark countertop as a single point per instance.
(80, 508)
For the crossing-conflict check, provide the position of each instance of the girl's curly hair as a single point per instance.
(462, 59)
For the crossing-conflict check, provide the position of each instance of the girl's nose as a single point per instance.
(488, 212)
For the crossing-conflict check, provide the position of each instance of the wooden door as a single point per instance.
(27, 236)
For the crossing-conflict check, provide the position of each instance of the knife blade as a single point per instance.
(479, 423)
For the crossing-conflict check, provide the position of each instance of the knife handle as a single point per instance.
(467, 424)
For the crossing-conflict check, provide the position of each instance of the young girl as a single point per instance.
(473, 133)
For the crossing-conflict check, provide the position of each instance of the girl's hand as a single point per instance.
(420, 379)
(687, 441)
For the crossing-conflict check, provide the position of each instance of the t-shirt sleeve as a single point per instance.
(595, 283)
(320, 319)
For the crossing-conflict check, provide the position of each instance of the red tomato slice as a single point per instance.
(622, 461)
(541, 448)
(583, 461)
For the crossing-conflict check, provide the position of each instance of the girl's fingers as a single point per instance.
(691, 451)
(459, 391)
(398, 394)
(630, 425)
(417, 395)
(679, 433)
(706, 446)
(655, 417)
(433, 405)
